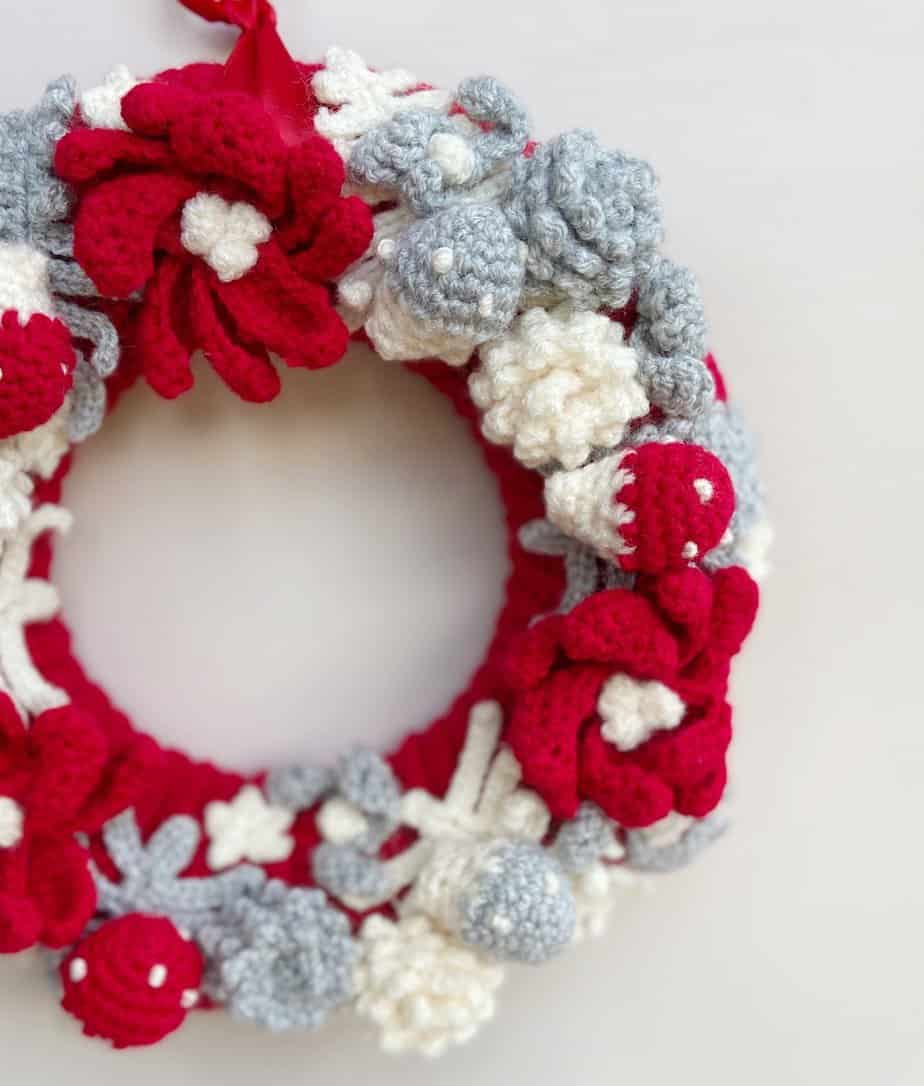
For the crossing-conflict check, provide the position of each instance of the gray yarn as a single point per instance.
(98, 329)
(723, 432)
(487, 261)
(644, 856)
(299, 788)
(151, 874)
(367, 781)
(347, 871)
(88, 401)
(585, 573)
(396, 154)
(584, 839)
(282, 958)
(671, 317)
(680, 385)
(521, 908)
(590, 218)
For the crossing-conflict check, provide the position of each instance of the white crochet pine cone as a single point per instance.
(559, 383)
(423, 989)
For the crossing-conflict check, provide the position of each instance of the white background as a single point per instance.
(274, 583)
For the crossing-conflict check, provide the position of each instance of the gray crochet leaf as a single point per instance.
(590, 218)
(521, 907)
(88, 401)
(399, 154)
(347, 871)
(280, 957)
(642, 854)
(584, 839)
(151, 874)
(367, 781)
(299, 788)
(475, 294)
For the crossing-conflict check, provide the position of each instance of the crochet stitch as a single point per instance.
(265, 209)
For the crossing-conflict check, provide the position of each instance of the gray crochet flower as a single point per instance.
(151, 874)
(520, 907)
(282, 958)
(35, 206)
(461, 270)
(424, 156)
(590, 217)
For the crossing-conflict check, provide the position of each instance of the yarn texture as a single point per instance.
(264, 212)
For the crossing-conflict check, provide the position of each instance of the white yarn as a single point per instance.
(39, 451)
(595, 893)
(24, 600)
(423, 989)
(24, 280)
(666, 831)
(632, 710)
(556, 385)
(225, 235)
(101, 107)
(247, 828)
(356, 99)
(582, 504)
(11, 822)
(15, 496)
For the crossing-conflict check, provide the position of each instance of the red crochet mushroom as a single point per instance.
(133, 981)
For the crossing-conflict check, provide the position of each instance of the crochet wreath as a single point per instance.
(266, 210)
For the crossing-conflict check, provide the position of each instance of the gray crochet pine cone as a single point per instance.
(461, 269)
(521, 908)
(590, 217)
(282, 958)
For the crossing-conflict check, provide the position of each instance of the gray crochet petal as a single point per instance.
(671, 318)
(645, 856)
(678, 385)
(347, 872)
(476, 291)
(171, 848)
(584, 839)
(88, 401)
(367, 781)
(98, 329)
(299, 788)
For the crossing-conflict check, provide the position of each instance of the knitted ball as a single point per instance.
(133, 981)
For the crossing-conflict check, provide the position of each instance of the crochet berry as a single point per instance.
(133, 981)
(36, 370)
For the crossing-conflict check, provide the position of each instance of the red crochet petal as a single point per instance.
(249, 373)
(699, 799)
(164, 357)
(128, 775)
(316, 176)
(12, 738)
(344, 234)
(289, 316)
(621, 627)
(683, 757)
(117, 224)
(231, 135)
(68, 752)
(734, 611)
(62, 889)
(36, 370)
(684, 597)
(544, 731)
(87, 153)
(20, 923)
(622, 789)
(533, 654)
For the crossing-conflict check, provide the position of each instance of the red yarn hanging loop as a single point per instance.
(246, 14)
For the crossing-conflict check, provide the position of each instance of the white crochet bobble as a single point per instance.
(225, 235)
(632, 710)
(583, 505)
(24, 280)
(101, 107)
(556, 385)
(423, 989)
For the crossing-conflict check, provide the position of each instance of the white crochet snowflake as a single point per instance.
(356, 99)
(559, 383)
(247, 828)
(423, 989)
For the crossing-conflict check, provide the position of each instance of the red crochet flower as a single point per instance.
(235, 295)
(57, 778)
(681, 630)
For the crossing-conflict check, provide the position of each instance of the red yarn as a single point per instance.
(188, 137)
(133, 981)
(36, 365)
(66, 777)
(673, 522)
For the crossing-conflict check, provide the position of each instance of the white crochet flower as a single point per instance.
(225, 235)
(632, 710)
(247, 828)
(422, 989)
(101, 107)
(557, 384)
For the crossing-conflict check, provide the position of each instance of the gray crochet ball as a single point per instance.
(461, 269)
(282, 958)
(590, 217)
(521, 907)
